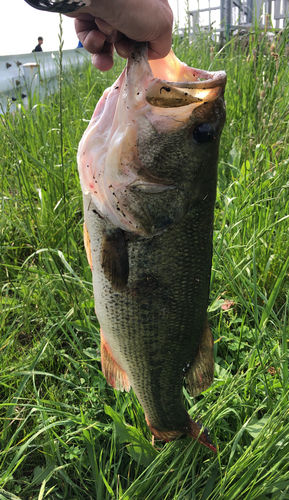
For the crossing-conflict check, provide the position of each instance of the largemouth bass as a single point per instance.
(148, 171)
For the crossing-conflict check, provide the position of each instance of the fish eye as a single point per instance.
(204, 133)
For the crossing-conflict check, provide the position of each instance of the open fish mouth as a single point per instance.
(161, 95)
(188, 85)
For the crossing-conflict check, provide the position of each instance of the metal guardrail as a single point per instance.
(22, 74)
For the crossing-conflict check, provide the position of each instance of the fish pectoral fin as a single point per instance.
(87, 245)
(114, 258)
(114, 374)
(201, 374)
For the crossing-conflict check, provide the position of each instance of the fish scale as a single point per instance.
(157, 341)
(148, 235)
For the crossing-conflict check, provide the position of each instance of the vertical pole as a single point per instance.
(226, 16)
(258, 10)
(249, 11)
(229, 18)
(31, 76)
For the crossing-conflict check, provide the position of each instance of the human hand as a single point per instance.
(108, 24)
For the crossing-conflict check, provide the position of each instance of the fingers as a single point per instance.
(122, 47)
(96, 42)
(112, 35)
(160, 40)
(91, 38)
(156, 50)
(104, 59)
(113, 24)
(159, 50)
(160, 47)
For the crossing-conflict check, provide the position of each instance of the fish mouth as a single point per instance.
(164, 94)
(174, 84)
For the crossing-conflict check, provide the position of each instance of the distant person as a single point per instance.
(38, 47)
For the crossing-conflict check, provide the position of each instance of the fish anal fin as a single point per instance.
(113, 373)
(114, 258)
(201, 374)
(87, 245)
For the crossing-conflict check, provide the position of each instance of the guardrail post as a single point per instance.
(31, 77)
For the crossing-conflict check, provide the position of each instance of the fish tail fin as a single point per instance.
(201, 373)
(193, 430)
(87, 245)
(113, 373)
(203, 437)
(163, 435)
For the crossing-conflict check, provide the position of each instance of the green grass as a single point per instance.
(65, 434)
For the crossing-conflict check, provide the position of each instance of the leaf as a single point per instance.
(257, 426)
(238, 487)
(139, 448)
(37, 473)
(222, 373)
(42, 490)
(271, 301)
(40, 474)
(245, 169)
(235, 154)
(92, 353)
(5, 495)
(209, 484)
(216, 305)
(277, 487)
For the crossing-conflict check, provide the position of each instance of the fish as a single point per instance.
(148, 172)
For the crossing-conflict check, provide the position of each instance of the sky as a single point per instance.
(21, 26)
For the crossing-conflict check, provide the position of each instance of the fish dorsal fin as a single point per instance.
(114, 258)
(201, 374)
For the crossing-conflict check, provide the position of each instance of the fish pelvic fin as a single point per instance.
(201, 374)
(114, 374)
(193, 430)
(87, 245)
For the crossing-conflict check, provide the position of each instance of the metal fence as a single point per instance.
(227, 15)
(22, 75)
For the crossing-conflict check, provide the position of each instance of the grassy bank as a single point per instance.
(64, 432)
